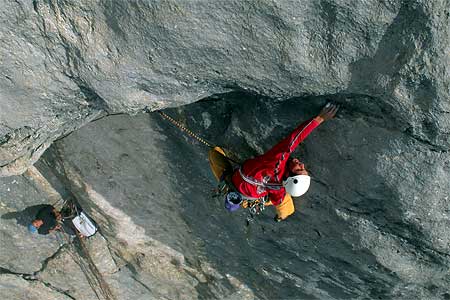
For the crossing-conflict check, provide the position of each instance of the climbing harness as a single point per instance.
(255, 206)
(263, 185)
(225, 187)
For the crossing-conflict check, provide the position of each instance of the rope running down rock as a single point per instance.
(186, 130)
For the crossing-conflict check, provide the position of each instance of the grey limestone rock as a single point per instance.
(364, 229)
(376, 221)
(14, 287)
(65, 62)
(21, 252)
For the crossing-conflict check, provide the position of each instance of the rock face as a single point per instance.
(364, 228)
(16, 288)
(20, 201)
(64, 62)
(376, 221)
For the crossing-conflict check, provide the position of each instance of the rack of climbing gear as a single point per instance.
(255, 206)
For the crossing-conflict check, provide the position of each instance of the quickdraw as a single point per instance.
(255, 206)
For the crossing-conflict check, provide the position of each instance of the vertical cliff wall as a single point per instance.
(375, 223)
(63, 62)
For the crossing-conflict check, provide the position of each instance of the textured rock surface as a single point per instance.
(65, 62)
(132, 264)
(376, 222)
(127, 192)
(14, 287)
(364, 229)
(19, 202)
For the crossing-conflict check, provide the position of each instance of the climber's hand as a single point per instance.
(328, 112)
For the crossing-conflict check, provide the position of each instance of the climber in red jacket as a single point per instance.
(275, 174)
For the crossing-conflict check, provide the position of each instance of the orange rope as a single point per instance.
(186, 130)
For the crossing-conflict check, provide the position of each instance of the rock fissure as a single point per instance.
(34, 278)
(95, 101)
(374, 223)
(36, 6)
(424, 249)
(430, 145)
(50, 258)
(7, 271)
(56, 289)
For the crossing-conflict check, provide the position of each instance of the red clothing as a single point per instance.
(270, 167)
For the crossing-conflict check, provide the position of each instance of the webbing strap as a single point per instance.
(231, 186)
(252, 181)
(250, 198)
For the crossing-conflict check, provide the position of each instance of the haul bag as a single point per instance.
(84, 225)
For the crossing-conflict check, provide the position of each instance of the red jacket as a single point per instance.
(268, 170)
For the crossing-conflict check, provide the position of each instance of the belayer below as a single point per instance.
(46, 221)
(70, 220)
(271, 178)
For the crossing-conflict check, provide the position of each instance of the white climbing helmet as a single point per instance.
(297, 185)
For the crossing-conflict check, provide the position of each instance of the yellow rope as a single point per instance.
(195, 136)
(183, 128)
